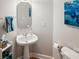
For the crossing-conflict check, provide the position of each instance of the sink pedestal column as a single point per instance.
(26, 52)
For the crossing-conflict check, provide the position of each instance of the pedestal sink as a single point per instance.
(25, 41)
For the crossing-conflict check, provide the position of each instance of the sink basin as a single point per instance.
(24, 40)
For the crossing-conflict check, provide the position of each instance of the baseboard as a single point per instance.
(20, 57)
(40, 56)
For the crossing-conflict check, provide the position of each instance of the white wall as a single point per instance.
(8, 8)
(42, 25)
(63, 34)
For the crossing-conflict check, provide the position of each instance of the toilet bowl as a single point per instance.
(64, 52)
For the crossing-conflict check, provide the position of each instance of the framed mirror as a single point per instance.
(24, 15)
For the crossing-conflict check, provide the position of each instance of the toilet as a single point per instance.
(64, 53)
(68, 53)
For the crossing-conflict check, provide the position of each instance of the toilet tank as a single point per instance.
(68, 53)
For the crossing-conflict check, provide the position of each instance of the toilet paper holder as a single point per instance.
(59, 47)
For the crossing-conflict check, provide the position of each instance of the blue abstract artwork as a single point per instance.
(71, 12)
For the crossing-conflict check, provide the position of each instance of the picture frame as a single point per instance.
(71, 12)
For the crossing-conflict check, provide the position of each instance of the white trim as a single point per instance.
(20, 57)
(38, 55)
(41, 56)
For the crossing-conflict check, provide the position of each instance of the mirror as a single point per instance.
(24, 15)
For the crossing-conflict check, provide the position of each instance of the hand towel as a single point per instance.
(9, 23)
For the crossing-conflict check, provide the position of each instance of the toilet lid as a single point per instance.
(70, 53)
(76, 49)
